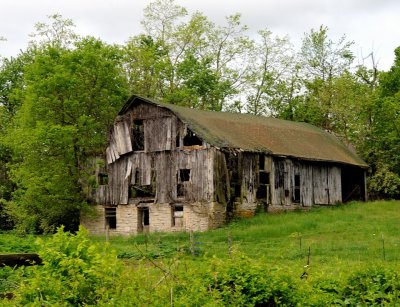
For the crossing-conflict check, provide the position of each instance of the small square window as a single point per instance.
(103, 179)
(184, 175)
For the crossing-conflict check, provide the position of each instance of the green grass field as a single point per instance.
(354, 233)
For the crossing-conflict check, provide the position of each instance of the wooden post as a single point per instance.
(230, 244)
(107, 232)
(192, 243)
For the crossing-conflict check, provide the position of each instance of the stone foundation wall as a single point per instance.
(245, 209)
(127, 220)
(196, 217)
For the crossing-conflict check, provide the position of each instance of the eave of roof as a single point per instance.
(260, 134)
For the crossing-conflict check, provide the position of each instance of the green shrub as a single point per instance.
(375, 286)
(75, 272)
(243, 282)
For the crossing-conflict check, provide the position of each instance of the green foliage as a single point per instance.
(70, 98)
(376, 286)
(74, 273)
(246, 283)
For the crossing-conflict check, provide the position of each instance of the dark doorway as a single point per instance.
(111, 218)
(143, 219)
(353, 184)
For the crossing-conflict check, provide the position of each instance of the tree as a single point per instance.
(272, 66)
(70, 100)
(382, 148)
(58, 33)
(322, 60)
(159, 62)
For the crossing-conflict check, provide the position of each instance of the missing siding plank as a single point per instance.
(183, 176)
(138, 135)
(296, 191)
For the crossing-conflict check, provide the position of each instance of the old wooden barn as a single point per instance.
(171, 168)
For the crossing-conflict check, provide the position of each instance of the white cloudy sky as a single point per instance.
(374, 25)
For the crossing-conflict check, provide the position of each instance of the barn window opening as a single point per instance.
(263, 185)
(238, 190)
(191, 139)
(146, 216)
(103, 179)
(178, 140)
(111, 217)
(177, 215)
(264, 178)
(183, 176)
(138, 135)
(261, 162)
(139, 190)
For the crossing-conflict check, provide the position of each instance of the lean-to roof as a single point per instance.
(260, 134)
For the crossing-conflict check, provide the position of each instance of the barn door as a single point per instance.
(321, 186)
(327, 185)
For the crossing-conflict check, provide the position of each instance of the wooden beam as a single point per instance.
(19, 259)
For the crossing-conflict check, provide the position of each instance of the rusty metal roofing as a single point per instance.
(261, 134)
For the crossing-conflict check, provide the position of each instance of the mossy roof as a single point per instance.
(261, 134)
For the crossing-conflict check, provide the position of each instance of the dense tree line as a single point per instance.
(60, 95)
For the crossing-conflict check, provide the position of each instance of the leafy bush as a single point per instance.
(74, 272)
(246, 283)
(376, 286)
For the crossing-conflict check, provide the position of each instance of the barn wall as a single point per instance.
(183, 174)
(320, 183)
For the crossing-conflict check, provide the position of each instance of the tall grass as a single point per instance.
(354, 233)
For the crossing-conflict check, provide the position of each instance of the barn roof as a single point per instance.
(260, 134)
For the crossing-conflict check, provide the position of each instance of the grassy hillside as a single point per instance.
(354, 233)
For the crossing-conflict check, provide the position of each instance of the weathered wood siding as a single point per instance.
(166, 165)
(320, 183)
(158, 133)
(219, 172)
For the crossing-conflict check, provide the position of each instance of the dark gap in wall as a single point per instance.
(184, 174)
(261, 162)
(111, 217)
(139, 190)
(296, 193)
(191, 139)
(138, 135)
(103, 179)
